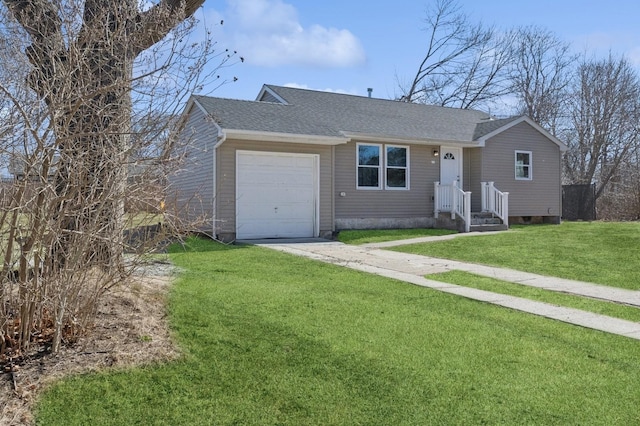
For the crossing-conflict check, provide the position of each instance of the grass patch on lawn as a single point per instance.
(357, 237)
(602, 307)
(599, 252)
(271, 338)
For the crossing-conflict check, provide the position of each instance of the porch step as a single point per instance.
(488, 227)
(484, 219)
(485, 222)
(480, 222)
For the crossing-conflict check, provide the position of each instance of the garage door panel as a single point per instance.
(260, 181)
(263, 210)
(287, 196)
(276, 176)
(264, 180)
(276, 195)
(258, 229)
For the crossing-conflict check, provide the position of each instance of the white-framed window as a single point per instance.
(369, 158)
(397, 167)
(382, 166)
(524, 164)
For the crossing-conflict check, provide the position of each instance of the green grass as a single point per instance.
(379, 236)
(467, 279)
(276, 339)
(598, 252)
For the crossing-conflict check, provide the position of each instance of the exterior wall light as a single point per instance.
(436, 153)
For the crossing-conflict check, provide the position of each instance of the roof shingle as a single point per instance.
(316, 113)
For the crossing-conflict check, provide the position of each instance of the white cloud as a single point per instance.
(269, 33)
(634, 56)
(265, 16)
(597, 41)
(304, 86)
(601, 44)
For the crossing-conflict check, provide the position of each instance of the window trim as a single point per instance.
(405, 168)
(383, 166)
(379, 166)
(528, 166)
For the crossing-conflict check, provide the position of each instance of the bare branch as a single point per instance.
(605, 109)
(88, 124)
(541, 74)
(464, 63)
(156, 23)
(38, 17)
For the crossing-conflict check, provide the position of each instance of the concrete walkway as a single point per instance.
(412, 269)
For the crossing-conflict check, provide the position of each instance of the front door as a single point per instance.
(450, 166)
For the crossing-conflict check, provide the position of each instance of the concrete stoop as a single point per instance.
(480, 222)
(488, 227)
(486, 222)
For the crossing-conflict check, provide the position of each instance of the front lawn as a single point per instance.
(272, 339)
(598, 252)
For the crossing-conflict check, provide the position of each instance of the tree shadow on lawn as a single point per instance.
(199, 244)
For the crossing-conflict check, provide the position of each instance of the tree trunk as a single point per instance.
(82, 54)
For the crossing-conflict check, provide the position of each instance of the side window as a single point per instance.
(397, 167)
(524, 162)
(369, 166)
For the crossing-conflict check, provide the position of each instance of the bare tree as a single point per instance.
(464, 65)
(605, 111)
(621, 200)
(541, 73)
(80, 57)
(91, 80)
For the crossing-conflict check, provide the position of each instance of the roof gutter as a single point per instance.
(367, 137)
(222, 137)
(252, 135)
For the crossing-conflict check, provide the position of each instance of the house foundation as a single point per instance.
(385, 223)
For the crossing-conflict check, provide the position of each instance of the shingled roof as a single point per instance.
(288, 110)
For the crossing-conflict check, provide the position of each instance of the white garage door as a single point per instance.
(276, 195)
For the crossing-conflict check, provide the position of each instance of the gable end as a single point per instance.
(269, 95)
(531, 123)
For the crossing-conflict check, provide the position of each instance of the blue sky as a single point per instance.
(348, 46)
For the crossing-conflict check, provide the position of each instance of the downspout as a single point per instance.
(221, 137)
(333, 190)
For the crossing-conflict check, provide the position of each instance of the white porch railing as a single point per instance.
(450, 198)
(442, 198)
(495, 201)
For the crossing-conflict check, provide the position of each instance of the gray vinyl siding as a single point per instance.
(383, 203)
(226, 180)
(540, 196)
(191, 193)
(472, 175)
